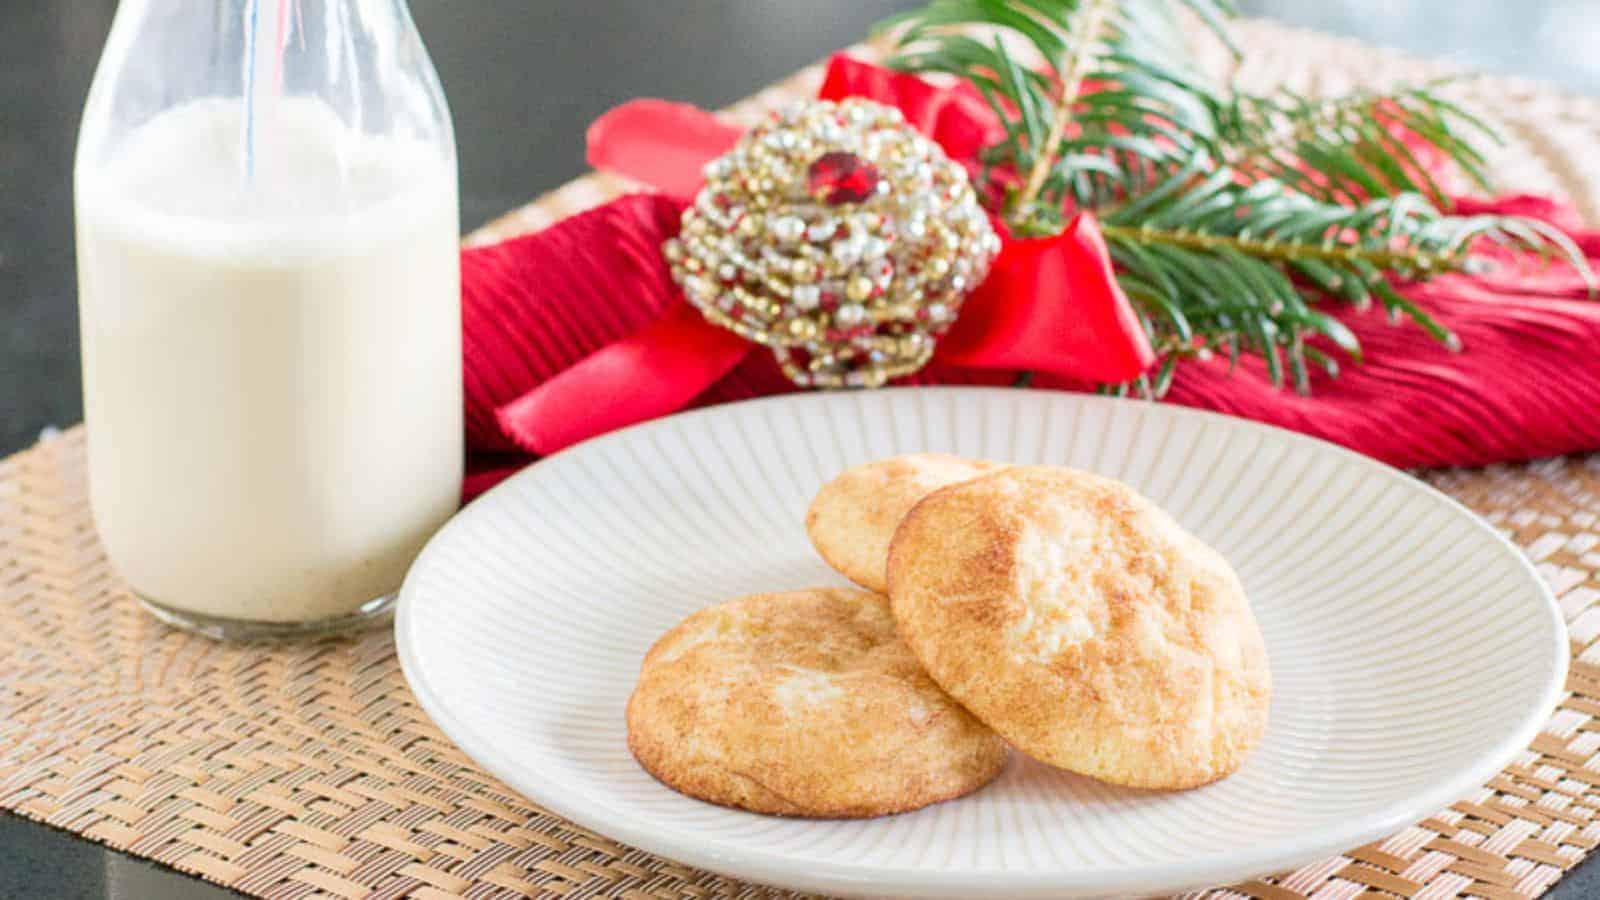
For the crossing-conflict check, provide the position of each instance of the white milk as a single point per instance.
(271, 374)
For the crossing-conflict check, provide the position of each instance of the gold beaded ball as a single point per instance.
(838, 236)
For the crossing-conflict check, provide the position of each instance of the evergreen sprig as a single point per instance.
(1229, 215)
(1344, 149)
(1106, 114)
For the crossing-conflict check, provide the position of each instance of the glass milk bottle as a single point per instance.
(269, 301)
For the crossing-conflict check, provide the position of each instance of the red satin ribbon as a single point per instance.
(660, 143)
(1050, 304)
(657, 369)
(956, 118)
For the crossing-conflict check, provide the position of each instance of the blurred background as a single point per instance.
(524, 78)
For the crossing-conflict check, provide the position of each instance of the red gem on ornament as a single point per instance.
(841, 177)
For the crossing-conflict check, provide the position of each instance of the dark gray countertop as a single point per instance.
(524, 79)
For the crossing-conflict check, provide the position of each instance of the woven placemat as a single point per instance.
(308, 769)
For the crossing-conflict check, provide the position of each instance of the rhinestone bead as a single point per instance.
(841, 177)
(806, 296)
(802, 329)
(849, 251)
(787, 229)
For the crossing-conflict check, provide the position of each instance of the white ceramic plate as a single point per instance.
(1414, 650)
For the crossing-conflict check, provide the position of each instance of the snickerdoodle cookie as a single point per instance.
(1080, 621)
(853, 517)
(803, 703)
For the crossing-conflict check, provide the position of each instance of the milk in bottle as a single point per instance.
(271, 340)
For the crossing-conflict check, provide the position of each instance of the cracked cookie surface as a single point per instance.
(803, 703)
(1079, 620)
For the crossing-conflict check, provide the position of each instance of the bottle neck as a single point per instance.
(301, 46)
(363, 62)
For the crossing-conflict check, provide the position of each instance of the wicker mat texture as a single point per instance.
(308, 770)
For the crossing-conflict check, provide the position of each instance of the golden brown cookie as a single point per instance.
(803, 703)
(853, 517)
(1080, 621)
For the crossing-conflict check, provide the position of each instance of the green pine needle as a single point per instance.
(1231, 217)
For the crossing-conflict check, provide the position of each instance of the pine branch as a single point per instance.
(1411, 263)
(1066, 143)
(1243, 265)
(1230, 217)
(1353, 146)
(1070, 71)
